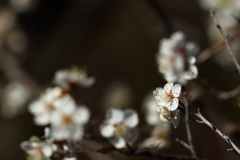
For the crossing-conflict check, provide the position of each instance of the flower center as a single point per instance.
(67, 120)
(121, 129)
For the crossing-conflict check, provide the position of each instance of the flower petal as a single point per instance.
(118, 142)
(114, 116)
(176, 90)
(107, 130)
(47, 151)
(130, 118)
(163, 119)
(42, 119)
(168, 87)
(81, 115)
(173, 105)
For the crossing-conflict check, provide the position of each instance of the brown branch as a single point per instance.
(189, 135)
(14, 72)
(203, 120)
(86, 147)
(213, 15)
(216, 48)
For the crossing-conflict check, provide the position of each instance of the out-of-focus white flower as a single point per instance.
(168, 96)
(175, 58)
(73, 77)
(68, 120)
(119, 126)
(43, 108)
(149, 108)
(14, 97)
(36, 149)
(167, 102)
(159, 137)
(20, 6)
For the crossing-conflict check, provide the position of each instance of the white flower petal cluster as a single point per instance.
(119, 126)
(68, 120)
(43, 108)
(167, 102)
(60, 110)
(159, 137)
(149, 109)
(73, 77)
(176, 59)
(37, 149)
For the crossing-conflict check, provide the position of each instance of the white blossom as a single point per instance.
(167, 102)
(14, 97)
(175, 59)
(36, 149)
(159, 137)
(119, 126)
(149, 109)
(73, 77)
(68, 120)
(43, 108)
(168, 96)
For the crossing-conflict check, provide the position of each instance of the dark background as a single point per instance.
(117, 41)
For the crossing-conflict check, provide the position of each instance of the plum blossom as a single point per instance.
(168, 96)
(43, 108)
(149, 108)
(14, 96)
(119, 126)
(68, 120)
(73, 77)
(37, 149)
(159, 137)
(167, 102)
(176, 59)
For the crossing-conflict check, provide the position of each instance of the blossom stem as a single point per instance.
(213, 15)
(203, 120)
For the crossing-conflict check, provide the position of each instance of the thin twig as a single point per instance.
(213, 15)
(14, 72)
(128, 150)
(216, 48)
(189, 135)
(203, 120)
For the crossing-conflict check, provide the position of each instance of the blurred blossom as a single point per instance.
(119, 126)
(43, 108)
(167, 102)
(176, 59)
(7, 20)
(17, 41)
(150, 110)
(37, 149)
(14, 97)
(73, 77)
(20, 6)
(159, 137)
(68, 120)
(118, 94)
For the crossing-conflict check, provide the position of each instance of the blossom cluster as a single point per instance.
(58, 109)
(176, 59)
(167, 103)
